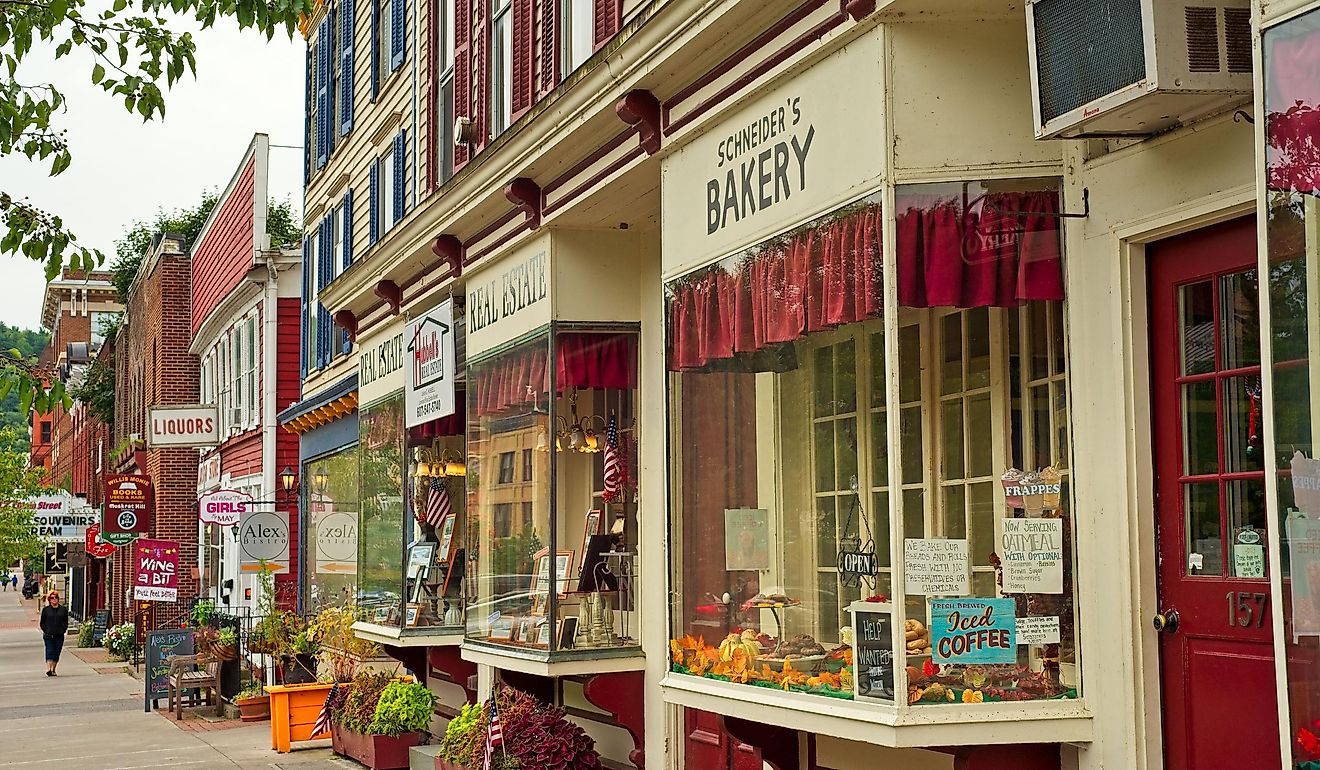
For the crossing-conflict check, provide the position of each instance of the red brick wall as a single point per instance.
(224, 254)
(287, 388)
(154, 367)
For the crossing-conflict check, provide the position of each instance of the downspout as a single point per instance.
(269, 381)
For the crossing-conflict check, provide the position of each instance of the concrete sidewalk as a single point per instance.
(90, 721)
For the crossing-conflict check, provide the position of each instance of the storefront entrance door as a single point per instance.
(1217, 663)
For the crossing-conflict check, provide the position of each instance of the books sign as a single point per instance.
(156, 571)
(128, 504)
(429, 390)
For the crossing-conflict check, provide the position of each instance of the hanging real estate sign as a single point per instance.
(263, 541)
(128, 504)
(156, 571)
(429, 389)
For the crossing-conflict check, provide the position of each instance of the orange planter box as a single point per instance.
(294, 709)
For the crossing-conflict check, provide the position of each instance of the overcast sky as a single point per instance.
(125, 170)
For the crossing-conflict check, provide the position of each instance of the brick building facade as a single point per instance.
(152, 368)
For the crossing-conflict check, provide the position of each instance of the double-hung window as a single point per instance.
(501, 66)
(444, 144)
(578, 16)
(313, 296)
(239, 405)
(250, 370)
(387, 191)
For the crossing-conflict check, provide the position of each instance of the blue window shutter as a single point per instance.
(327, 255)
(306, 295)
(375, 49)
(307, 121)
(373, 204)
(347, 234)
(322, 93)
(347, 20)
(399, 10)
(400, 146)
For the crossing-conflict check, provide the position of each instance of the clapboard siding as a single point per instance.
(224, 254)
(286, 392)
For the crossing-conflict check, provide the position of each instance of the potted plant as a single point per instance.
(342, 649)
(225, 644)
(121, 641)
(253, 703)
(299, 656)
(536, 736)
(202, 613)
(380, 719)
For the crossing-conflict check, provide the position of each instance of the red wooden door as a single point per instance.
(1217, 662)
(709, 747)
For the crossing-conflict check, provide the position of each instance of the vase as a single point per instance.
(379, 752)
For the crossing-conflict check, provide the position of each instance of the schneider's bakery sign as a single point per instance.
(794, 151)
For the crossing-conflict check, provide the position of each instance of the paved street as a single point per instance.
(94, 721)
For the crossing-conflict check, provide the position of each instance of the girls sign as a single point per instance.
(973, 630)
(156, 571)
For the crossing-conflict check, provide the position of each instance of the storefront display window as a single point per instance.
(816, 455)
(380, 542)
(331, 525)
(436, 560)
(1292, 133)
(551, 494)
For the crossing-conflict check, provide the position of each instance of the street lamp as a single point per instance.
(288, 480)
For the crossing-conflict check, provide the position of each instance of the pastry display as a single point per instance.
(800, 646)
(746, 641)
(916, 636)
(769, 601)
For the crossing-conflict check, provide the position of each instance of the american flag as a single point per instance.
(322, 726)
(613, 461)
(437, 503)
(494, 734)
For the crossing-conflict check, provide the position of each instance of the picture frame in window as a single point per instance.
(567, 632)
(381, 615)
(591, 525)
(445, 532)
(541, 577)
(413, 616)
(502, 629)
(539, 603)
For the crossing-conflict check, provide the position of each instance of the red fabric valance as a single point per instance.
(584, 360)
(1000, 252)
(818, 278)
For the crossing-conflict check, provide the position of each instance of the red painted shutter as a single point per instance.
(521, 81)
(481, 72)
(604, 22)
(546, 66)
(462, 73)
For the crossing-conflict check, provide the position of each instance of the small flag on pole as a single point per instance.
(494, 735)
(613, 462)
(437, 503)
(322, 726)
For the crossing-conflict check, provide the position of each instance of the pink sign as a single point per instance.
(156, 571)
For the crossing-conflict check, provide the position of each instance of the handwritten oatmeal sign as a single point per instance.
(1031, 551)
(936, 566)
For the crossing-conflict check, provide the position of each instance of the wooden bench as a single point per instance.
(194, 672)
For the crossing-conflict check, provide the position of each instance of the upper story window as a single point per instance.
(578, 22)
(444, 92)
(501, 66)
(45, 431)
(327, 251)
(329, 83)
(389, 22)
(389, 187)
(102, 320)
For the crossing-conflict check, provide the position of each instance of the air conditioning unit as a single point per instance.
(1113, 68)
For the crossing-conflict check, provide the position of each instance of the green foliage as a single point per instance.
(253, 689)
(464, 739)
(404, 707)
(97, 391)
(227, 637)
(202, 612)
(29, 345)
(120, 641)
(359, 708)
(281, 224)
(18, 483)
(85, 631)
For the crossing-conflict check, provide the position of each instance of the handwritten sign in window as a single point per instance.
(936, 566)
(1031, 551)
(1040, 630)
(873, 650)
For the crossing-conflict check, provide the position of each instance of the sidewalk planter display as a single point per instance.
(536, 737)
(253, 709)
(377, 717)
(379, 752)
(293, 712)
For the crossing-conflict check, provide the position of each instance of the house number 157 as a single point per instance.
(1244, 609)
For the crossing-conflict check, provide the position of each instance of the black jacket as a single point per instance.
(54, 620)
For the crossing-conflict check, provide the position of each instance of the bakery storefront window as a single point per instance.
(860, 508)
(553, 562)
(381, 460)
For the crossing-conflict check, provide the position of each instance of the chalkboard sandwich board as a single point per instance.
(99, 623)
(161, 646)
(873, 650)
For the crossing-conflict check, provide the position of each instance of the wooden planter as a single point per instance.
(294, 709)
(379, 752)
(255, 709)
(441, 764)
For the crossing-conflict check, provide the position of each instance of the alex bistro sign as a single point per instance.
(185, 426)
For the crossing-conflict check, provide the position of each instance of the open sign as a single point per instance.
(223, 506)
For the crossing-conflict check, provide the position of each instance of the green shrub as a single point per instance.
(121, 641)
(404, 707)
(85, 634)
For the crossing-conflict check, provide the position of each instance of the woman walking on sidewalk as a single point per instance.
(54, 625)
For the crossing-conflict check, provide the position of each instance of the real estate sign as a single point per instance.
(429, 390)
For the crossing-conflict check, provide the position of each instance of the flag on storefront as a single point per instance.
(613, 461)
(437, 503)
(322, 725)
(494, 734)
